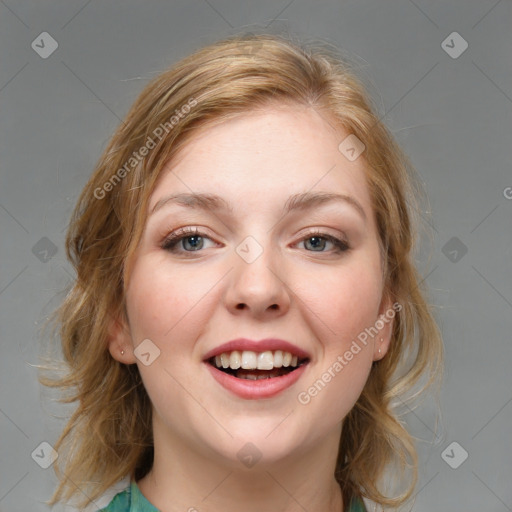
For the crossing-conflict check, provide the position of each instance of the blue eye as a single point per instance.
(191, 235)
(317, 236)
(193, 241)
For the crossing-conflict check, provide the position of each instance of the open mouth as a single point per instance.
(257, 366)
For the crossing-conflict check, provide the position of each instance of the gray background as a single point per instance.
(453, 116)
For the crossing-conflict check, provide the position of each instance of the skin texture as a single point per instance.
(188, 302)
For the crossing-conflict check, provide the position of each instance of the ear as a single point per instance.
(384, 323)
(120, 344)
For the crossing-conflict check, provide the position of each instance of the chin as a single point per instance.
(255, 444)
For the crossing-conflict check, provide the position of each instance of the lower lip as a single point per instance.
(255, 389)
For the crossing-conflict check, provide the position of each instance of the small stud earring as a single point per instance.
(122, 352)
(379, 351)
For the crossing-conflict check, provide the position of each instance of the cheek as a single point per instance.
(344, 302)
(341, 393)
(165, 304)
(349, 305)
(169, 308)
(166, 308)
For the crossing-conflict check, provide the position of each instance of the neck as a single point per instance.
(184, 479)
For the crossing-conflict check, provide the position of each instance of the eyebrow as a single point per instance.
(296, 202)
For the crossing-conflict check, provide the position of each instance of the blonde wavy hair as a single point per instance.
(109, 434)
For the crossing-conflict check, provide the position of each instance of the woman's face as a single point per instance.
(265, 264)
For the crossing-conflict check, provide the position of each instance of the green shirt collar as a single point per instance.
(132, 500)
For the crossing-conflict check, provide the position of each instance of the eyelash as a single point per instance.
(173, 239)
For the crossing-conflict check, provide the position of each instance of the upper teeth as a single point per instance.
(249, 360)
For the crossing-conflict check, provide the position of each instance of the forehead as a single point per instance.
(259, 159)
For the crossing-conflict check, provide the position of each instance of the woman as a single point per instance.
(246, 307)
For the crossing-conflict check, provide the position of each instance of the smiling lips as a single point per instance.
(256, 369)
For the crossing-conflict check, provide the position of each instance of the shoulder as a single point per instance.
(357, 505)
(129, 499)
(121, 502)
(114, 495)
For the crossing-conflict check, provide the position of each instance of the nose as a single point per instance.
(259, 287)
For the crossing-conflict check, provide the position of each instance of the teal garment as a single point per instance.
(357, 505)
(132, 500)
